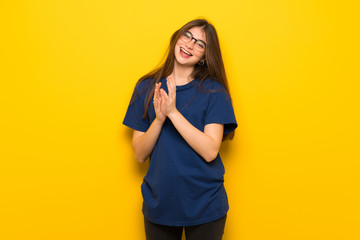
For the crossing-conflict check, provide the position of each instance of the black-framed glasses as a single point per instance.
(188, 37)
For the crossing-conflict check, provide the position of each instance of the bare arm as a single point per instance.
(143, 143)
(207, 143)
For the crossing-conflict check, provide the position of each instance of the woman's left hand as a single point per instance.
(170, 100)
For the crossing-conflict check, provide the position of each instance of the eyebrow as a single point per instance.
(196, 38)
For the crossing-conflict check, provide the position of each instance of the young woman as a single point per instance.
(180, 113)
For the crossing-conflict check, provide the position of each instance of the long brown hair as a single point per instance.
(213, 67)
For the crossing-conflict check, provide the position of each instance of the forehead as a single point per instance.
(198, 33)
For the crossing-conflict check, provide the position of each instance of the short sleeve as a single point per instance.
(135, 111)
(220, 110)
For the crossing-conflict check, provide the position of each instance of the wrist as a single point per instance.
(173, 113)
(159, 121)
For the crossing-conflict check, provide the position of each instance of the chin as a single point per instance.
(184, 62)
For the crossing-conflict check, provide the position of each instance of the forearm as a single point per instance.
(202, 143)
(144, 144)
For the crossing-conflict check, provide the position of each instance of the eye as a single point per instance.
(188, 35)
(200, 44)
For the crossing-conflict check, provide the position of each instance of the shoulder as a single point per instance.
(212, 84)
(144, 87)
(144, 84)
(214, 87)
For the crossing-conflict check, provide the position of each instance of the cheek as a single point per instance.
(177, 51)
(178, 44)
(177, 47)
(200, 55)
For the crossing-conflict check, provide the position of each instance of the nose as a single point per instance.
(191, 43)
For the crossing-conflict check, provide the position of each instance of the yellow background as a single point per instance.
(68, 69)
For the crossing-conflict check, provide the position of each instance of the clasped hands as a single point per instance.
(165, 104)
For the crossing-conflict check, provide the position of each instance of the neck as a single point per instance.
(182, 73)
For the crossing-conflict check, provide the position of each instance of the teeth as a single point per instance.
(188, 53)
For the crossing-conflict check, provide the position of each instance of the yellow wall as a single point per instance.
(68, 68)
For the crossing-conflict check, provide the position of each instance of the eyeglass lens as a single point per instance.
(187, 37)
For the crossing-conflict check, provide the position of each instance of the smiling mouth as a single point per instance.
(186, 52)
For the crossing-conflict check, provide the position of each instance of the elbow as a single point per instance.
(212, 151)
(140, 159)
(210, 156)
(138, 155)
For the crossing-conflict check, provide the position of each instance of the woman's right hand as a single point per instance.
(159, 105)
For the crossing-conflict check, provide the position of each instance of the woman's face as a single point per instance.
(190, 52)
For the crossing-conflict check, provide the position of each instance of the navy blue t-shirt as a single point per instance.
(180, 187)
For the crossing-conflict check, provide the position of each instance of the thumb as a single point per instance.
(163, 94)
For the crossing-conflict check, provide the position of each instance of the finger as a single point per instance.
(159, 87)
(164, 96)
(168, 84)
(171, 87)
(173, 84)
(174, 88)
(158, 100)
(163, 93)
(156, 91)
(171, 81)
